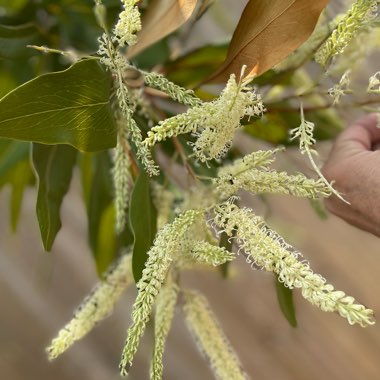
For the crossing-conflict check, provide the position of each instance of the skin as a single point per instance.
(354, 166)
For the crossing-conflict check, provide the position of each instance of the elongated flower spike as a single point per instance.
(357, 17)
(168, 243)
(97, 306)
(306, 141)
(128, 24)
(267, 250)
(209, 254)
(210, 339)
(177, 93)
(212, 123)
(252, 174)
(165, 308)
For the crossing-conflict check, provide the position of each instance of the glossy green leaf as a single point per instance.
(11, 154)
(286, 303)
(14, 40)
(15, 170)
(22, 176)
(193, 68)
(68, 107)
(53, 166)
(106, 244)
(319, 208)
(100, 191)
(143, 221)
(152, 56)
(98, 195)
(275, 125)
(226, 243)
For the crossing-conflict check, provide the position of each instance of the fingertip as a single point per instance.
(363, 134)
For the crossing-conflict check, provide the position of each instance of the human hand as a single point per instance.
(354, 166)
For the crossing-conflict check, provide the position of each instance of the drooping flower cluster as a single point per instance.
(213, 123)
(177, 93)
(128, 24)
(357, 17)
(209, 254)
(211, 341)
(190, 240)
(269, 251)
(111, 57)
(165, 308)
(97, 306)
(252, 174)
(168, 242)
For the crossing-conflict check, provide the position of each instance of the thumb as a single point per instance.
(363, 135)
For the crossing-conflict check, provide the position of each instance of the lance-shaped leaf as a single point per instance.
(161, 18)
(98, 195)
(267, 32)
(143, 221)
(286, 303)
(15, 170)
(68, 107)
(53, 166)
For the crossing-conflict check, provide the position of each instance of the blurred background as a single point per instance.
(39, 291)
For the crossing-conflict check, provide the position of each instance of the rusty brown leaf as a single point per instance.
(267, 32)
(161, 18)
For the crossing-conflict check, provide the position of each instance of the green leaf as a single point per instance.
(12, 153)
(226, 243)
(14, 40)
(16, 171)
(106, 243)
(152, 56)
(67, 107)
(98, 195)
(193, 68)
(286, 303)
(22, 176)
(319, 208)
(143, 221)
(274, 126)
(53, 166)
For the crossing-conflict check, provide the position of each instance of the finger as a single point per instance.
(351, 216)
(363, 135)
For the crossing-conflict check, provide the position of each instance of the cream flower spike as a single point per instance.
(168, 242)
(128, 24)
(212, 123)
(252, 174)
(165, 309)
(97, 306)
(357, 17)
(210, 339)
(267, 250)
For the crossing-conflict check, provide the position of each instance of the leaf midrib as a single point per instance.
(262, 30)
(54, 110)
(47, 187)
